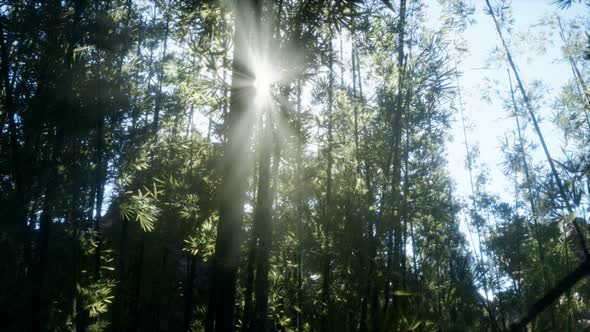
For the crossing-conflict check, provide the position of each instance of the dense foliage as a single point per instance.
(281, 165)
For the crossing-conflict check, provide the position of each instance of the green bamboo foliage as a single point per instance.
(277, 166)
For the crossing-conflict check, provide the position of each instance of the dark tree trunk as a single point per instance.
(52, 185)
(136, 303)
(263, 217)
(220, 316)
(395, 239)
(188, 293)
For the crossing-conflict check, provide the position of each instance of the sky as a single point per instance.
(488, 123)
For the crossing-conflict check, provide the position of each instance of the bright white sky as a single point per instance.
(489, 123)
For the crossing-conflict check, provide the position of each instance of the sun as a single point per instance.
(263, 80)
(265, 76)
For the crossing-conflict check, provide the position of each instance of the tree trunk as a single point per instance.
(326, 323)
(220, 316)
(530, 193)
(301, 205)
(99, 159)
(39, 299)
(158, 104)
(263, 217)
(395, 230)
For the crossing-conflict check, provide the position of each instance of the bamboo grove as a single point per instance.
(261, 165)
